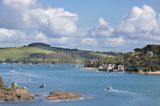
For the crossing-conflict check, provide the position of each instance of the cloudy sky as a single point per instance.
(105, 25)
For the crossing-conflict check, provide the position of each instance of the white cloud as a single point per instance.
(156, 29)
(40, 37)
(114, 41)
(56, 20)
(8, 34)
(29, 15)
(89, 41)
(102, 22)
(19, 3)
(139, 20)
(61, 40)
(103, 29)
(27, 21)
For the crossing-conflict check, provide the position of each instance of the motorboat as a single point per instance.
(51, 65)
(42, 85)
(12, 70)
(109, 88)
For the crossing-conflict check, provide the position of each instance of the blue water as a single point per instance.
(128, 89)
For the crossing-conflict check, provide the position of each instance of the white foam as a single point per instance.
(121, 91)
(23, 74)
(67, 100)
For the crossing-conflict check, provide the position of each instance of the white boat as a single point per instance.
(4, 63)
(30, 64)
(51, 65)
(29, 80)
(109, 88)
(12, 70)
(42, 85)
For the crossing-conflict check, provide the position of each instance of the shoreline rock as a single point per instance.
(60, 95)
(14, 95)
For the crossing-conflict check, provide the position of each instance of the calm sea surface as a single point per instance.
(128, 89)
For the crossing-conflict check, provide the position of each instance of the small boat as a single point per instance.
(42, 85)
(51, 65)
(109, 88)
(12, 70)
(39, 64)
(4, 63)
(77, 66)
(29, 79)
(30, 64)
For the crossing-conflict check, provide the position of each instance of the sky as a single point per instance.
(99, 25)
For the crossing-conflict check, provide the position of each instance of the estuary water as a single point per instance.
(128, 89)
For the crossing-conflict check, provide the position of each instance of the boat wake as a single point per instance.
(22, 74)
(67, 100)
(121, 91)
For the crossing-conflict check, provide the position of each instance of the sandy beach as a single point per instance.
(140, 72)
(89, 68)
(150, 73)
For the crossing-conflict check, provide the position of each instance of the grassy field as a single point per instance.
(40, 52)
(17, 53)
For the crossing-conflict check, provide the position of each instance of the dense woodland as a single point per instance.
(142, 59)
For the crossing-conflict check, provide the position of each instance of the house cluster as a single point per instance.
(111, 67)
(15, 86)
(150, 53)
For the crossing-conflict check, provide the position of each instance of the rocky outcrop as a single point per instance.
(7, 94)
(13, 94)
(59, 95)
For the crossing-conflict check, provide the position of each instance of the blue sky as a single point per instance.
(90, 10)
(104, 25)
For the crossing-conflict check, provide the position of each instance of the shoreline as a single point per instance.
(150, 73)
(89, 68)
(140, 72)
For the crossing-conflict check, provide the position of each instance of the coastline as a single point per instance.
(150, 73)
(89, 68)
(140, 72)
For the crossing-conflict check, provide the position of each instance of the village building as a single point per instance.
(15, 86)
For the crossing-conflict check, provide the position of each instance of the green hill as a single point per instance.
(44, 53)
(22, 52)
(144, 59)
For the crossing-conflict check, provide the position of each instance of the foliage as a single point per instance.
(1, 82)
(44, 53)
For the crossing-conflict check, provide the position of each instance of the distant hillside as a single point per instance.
(38, 45)
(155, 49)
(17, 53)
(75, 52)
(144, 59)
(44, 53)
(141, 60)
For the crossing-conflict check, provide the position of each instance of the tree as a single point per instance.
(1, 82)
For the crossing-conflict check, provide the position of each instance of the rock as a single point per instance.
(12, 95)
(59, 95)
(1, 82)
